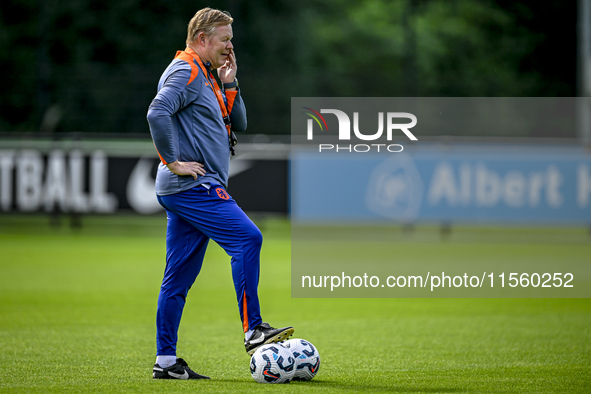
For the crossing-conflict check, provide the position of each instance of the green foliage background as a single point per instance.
(93, 66)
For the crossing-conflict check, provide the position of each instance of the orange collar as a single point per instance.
(196, 57)
(214, 86)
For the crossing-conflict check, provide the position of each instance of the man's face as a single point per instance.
(218, 46)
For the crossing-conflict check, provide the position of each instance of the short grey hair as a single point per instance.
(206, 20)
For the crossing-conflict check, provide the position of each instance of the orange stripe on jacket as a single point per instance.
(244, 313)
(189, 59)
(161, 159)
(231, 96)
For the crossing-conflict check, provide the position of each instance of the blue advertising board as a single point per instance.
(435, 182)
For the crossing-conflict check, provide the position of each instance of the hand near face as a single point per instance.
(227, 72)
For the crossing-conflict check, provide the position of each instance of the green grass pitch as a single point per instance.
(77, 311)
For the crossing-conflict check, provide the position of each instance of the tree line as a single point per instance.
(93, 66)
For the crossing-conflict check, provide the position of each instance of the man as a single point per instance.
(192, 121)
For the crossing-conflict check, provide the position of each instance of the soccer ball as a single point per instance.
(272, 363)
(306, 357)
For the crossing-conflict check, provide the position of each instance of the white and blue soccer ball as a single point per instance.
(307, 358)
(272, 363)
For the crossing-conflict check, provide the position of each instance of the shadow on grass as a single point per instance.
(377, 387)
(343, 387)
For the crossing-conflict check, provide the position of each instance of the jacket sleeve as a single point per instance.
(171, 98)
(237, 110)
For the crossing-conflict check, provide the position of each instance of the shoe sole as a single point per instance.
(173, 378)
(158, 373)
(282, 336)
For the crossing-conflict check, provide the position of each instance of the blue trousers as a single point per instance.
(194, 217)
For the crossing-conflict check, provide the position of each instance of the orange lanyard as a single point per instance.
(216, 90)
